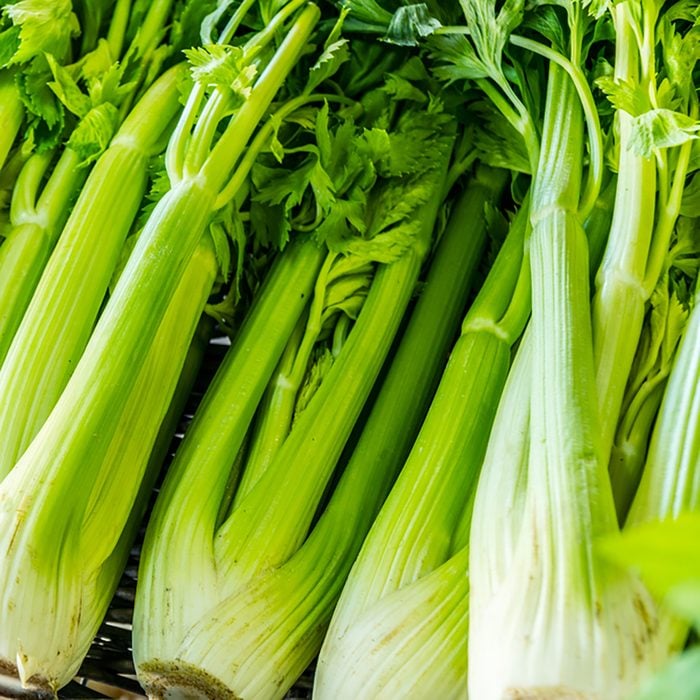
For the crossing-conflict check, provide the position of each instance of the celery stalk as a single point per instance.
(200, 472)
(11, 113)
(342, 281)
(45, 656)
(548, 618)
(620, 291)
(69, 454)
(671, 479)
(61, 315)
(413, 537)
(670, 484)
(186, 653)
(29, 242)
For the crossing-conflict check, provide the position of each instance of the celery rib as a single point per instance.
(60, 317)
(11, 113)
(29, 242)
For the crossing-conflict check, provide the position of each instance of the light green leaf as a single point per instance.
(159, 185)
(411, 23)
(108, 87)
(328, 63)
(681, 52)
(45, 27)
(626, 95)
(678, 680)
(667, 557)
(596, 8)
(385, 247)
(666, 97)
(662, 128)
(94, 132)
(222, 66)
(690, 204)
(323, 135)
(322, 187)
(65, 87)
(97, 61)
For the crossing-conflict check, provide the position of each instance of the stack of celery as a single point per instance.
(453, 447)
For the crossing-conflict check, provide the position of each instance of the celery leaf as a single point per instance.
(328, 63)
(226, 67)
(497, 142)
(410, 23)
(666, 555)
(94, 132)
(456, 59)
(66, 89)
(679, 679)
(491, 24)
(681, 52)
(690, 204)
(626, 95)
(369, 12)
(44, 27)
(662, 128)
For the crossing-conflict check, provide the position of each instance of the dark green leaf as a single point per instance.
(328, 63)
(456, 59)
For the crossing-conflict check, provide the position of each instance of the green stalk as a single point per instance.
(36, 225)
(199, 474)
(664, 327)
(60, 317)
(670, 484)
(412, 643)
(414, 534)
(567, 479)
(597, 225)
(305, 461)
(499, 500)
(11, 113)
(671, 479)
(620, 282)
(274, 415)
(549, 619)
(292, 604)
(65, 461)
(118, 23)
(52, 621)
(341, 280)
(21, 269)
